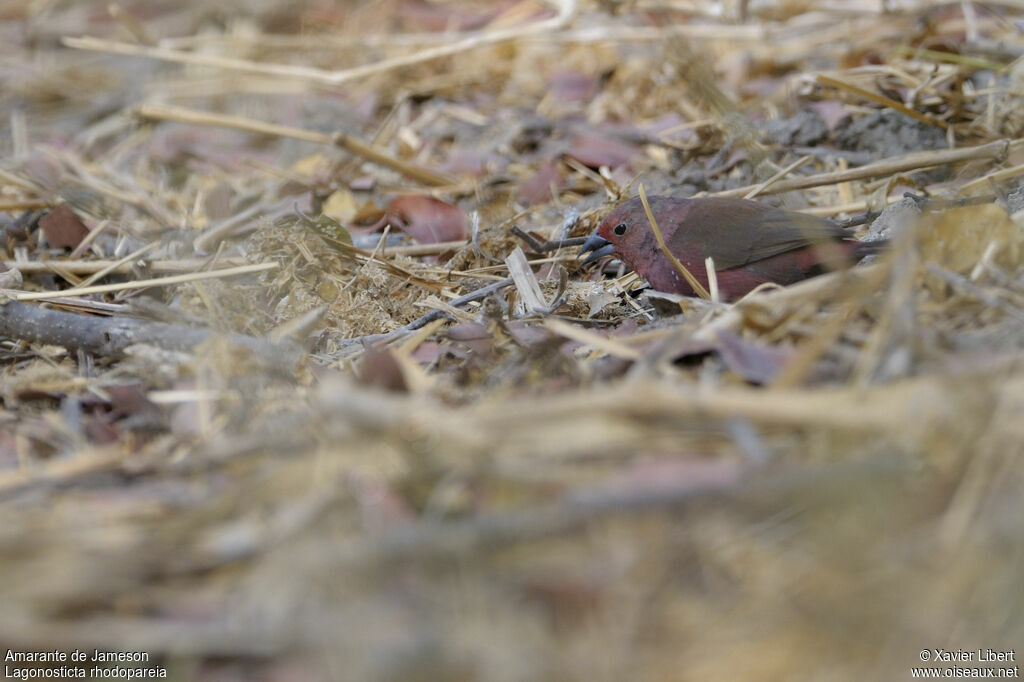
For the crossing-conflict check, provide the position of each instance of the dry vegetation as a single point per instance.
(256, 422)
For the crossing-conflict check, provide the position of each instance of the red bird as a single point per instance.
(751, 243)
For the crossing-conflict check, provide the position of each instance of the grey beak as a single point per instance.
(597, 246)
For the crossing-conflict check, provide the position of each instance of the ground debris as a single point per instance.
(301, 376)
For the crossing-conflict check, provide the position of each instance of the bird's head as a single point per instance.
(624, 231)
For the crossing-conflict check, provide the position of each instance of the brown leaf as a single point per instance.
(536, 189)
(474, 336)
(100, 429)
(594, 150)
(130, 399)
(364, 183)
(671, 126)
(420, 15)
(751, 361)
(428, 220)
(831, 111)
(572, 86)
(62, 228)
(428, 352)
(380, 505)
(379, 368)
(43, 170)
(217, 201)
(468, 162)
(659, 476)
(754, 362)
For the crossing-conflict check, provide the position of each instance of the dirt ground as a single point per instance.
(301, 377)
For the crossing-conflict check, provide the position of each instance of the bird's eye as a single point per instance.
(620, 229)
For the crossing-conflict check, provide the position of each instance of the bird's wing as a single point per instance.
(739, 234)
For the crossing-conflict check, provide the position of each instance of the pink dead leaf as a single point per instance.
(754, 362)
(429, 352)
(62, 228)
(737, 157)
(380, 506)
(666, 123)
(474, 336)
(365, 108)
(363, 184)
(217, 202)
(468, 162)
(536, 189)
(661, 476)
(8, 450)
(428, 220)
(43, 170)
(831, 111)
(380, 369)
(764, 87)
(594, 150)
(420, 15)
(129, 400)
(100, 429)
(572, 86)
(751, 361)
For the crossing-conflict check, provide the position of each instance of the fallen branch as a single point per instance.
(110, 337)
(343, 140)
(141, 284)
(909, 162)
(115, 267)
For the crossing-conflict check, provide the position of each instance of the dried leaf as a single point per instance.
(667, 475)
(420, 15)
(217, 202)
(474, 336)
(130, 399)
(572, 86)
(536, 189)
(753, 362)
(428, 220)
(380, 505)
(62, 228)
(594, 150)
(381, 369)
(468, 162)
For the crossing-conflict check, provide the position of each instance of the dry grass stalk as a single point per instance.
(144, 283)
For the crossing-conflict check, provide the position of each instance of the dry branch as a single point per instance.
(91, 267)
(110, 337)
(347, 142)
(142, 284)
(994, 151)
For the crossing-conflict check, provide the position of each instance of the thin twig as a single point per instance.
(881, 99)
(778, 176)
(480, 293)
(88, 267)
(111, 337)
(345, 141)
(914, 161)
(537, 246)
(697, 287)
(142, 284)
